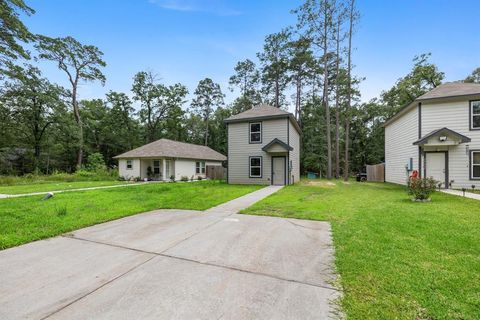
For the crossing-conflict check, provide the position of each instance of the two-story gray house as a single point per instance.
(437, 135)
(263, 147)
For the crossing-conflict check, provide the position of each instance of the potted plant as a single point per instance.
(421, 188)
(149, 173)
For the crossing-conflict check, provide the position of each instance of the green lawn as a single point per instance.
(27, 219)
(45, 186)
(396, 259)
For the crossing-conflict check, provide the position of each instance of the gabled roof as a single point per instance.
(443, 91)
(279, 142)
(442, 131)
(452, 89)
(173, 149)
(263, 112)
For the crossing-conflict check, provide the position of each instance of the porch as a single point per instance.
(157, 169)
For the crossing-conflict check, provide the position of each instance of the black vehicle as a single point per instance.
(362, 177)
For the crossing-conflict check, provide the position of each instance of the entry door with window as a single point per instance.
(435, 166)
(278, 171)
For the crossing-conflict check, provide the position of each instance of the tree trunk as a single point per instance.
(78, 120)
(337, 106)
(325, 97)
(298, 111)
(277, 94)
(346, 173)
(206, 131)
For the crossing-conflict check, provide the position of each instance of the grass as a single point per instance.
(27, 219)
(45, 186)
(396, 259)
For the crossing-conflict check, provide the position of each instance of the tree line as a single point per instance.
(309, 66)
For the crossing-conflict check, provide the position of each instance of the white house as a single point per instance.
(438, 135)
(263, 147)
(164, 158)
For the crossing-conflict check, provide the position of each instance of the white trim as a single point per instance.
(472, 164)
(251, 132)
(472, 115)
(250, 167)
(129, 163)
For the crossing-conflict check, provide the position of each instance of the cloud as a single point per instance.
(216, 7)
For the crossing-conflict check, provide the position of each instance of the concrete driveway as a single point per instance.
(175, 264)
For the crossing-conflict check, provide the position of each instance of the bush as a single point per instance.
(199, 178)
(184, 178)
(95, 162)
(421, 188)
(172, 178)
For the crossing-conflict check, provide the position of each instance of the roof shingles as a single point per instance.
(173, 149)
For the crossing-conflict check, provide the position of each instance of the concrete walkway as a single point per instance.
(469, 195)
(176, 264)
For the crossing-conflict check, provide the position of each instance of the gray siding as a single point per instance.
(399, 138)
(294, 137)
(453, 115)
(239, 150)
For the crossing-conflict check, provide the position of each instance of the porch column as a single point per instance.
(164, 170)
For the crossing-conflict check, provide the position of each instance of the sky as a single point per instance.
(187, 40)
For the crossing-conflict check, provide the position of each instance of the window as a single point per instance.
(129, 165)
(255, 167)
(475, 114)
(475, 165)
(156, 166)
(200, 167)
(255, 132)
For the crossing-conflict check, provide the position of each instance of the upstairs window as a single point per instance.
(200, 167)
(475, 114)
(129, 165)
(475, 165)
(255, 132)
(255, 167)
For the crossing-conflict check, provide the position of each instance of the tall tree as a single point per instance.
(339, 37)
(274, 60)
(353, 17)
(301, 66)
(474, 77)
(80, 63)
(157, 101)
(208, 97)
(247, 79)
(34, 102)
(13, 31)
(317, 18)
(121, 120)
(423, 77)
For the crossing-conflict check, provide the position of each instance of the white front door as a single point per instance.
(435, 166)
(278, 171)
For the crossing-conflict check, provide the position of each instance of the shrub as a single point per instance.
(184, 178)
(421, 188)
(95, 162)
(199, 178)
(172, 178)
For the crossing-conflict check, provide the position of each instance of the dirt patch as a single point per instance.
(325, 184)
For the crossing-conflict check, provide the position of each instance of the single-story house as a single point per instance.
(263, 147)
(437, 135)
(165, 158)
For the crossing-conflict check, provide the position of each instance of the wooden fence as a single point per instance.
(216, 172)
(376, 173)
